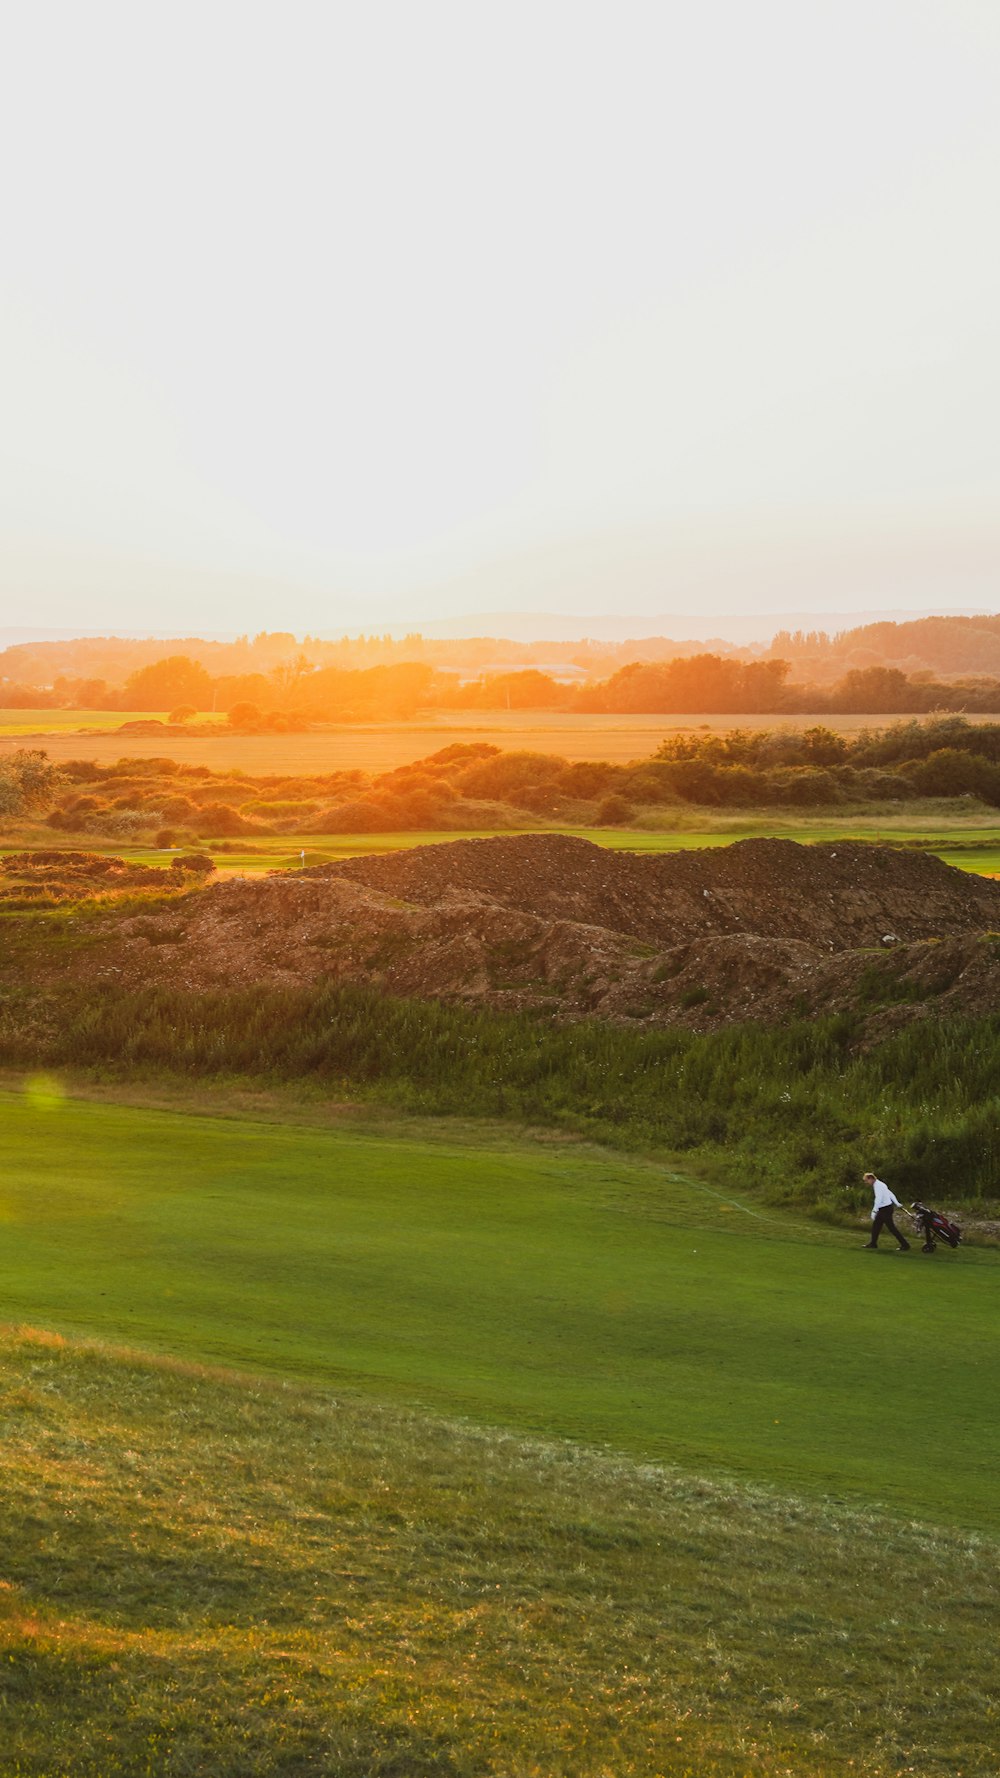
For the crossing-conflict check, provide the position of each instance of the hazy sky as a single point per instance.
(316, 315)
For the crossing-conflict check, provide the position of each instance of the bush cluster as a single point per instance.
(477, 786)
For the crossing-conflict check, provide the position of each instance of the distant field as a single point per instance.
(382, 747)
(62, 722)
(547, 1287)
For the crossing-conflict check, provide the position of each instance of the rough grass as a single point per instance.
(208, 1574)
(794, 1113)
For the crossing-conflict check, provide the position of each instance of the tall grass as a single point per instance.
(796, 1113)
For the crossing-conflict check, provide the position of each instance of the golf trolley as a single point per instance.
(934, 1227)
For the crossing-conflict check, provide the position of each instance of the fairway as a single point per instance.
(970, 847)
(547, 1287)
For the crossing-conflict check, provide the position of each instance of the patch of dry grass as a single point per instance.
(381, 747)
(210, 1574)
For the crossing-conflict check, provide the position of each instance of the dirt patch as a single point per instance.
(834, 896)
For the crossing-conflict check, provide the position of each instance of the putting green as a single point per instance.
(542, 1287)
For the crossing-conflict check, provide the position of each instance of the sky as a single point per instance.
(338, 316)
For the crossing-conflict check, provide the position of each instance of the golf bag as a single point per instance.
(934, 1227)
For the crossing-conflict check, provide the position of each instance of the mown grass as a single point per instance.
(547, 1288)
(205, 1574)
(966, 843)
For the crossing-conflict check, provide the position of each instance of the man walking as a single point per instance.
(882, 1212)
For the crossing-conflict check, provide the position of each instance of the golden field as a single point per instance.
(381, 747)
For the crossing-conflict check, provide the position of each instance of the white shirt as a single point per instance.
(883, 1197)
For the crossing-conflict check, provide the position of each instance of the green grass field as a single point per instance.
(538, 1463)
(543, 1286)
(968, 845)
(529, 1459)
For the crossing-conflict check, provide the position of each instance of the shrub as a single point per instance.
(85, 770)
(804, 785)
(878, 786)
(224, 820)
(589, 777)
(650, 786)
(27, 781)
(461, 753)
(741, 786)
(283, 722)
(614, 811)
(951, 772)
(244, 716)
(538, 799)
(178, 808)
(195, 863)
(278, 811)
(123, 824)
(81, 815)
(500, 776)
(697, 781)
(364, 815)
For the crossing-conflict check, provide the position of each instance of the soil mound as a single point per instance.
(835, 896)
(764, 930)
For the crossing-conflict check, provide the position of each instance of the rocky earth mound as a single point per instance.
(763, 929)
(844, 894)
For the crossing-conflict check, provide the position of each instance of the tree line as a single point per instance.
(299, 693)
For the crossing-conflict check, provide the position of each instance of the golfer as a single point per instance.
(882, 1212)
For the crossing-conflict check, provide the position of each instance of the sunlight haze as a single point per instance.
(332, 316)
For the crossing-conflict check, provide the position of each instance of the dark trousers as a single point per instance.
(883, 1220)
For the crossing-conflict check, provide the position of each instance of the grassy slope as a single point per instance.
(548, 1288)
(208, 1576)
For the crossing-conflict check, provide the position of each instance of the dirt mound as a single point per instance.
(764, 930)
(835, 896)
